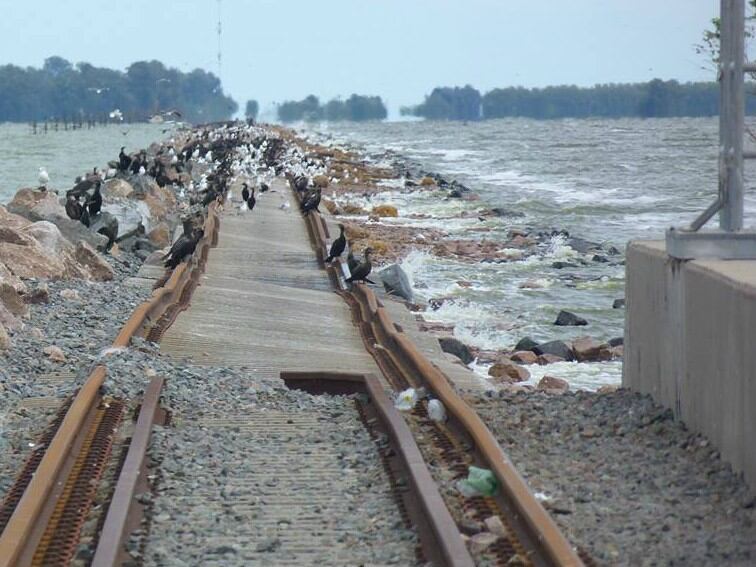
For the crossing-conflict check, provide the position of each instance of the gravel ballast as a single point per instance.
(624, 480)
(251, 473)
(82, 322)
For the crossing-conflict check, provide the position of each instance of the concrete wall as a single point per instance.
(690, 342)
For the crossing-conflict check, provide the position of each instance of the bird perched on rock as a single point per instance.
(245, 192)
(312, 202)
(337, 246)
(81, 188)
(43, 179)
(84, 218)
(73, 207)
(124, 161)
(362, 270)
(95, 201)
(183, 248)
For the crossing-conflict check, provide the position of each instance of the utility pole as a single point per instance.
(220, 29)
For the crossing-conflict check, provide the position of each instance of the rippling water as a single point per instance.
(65, 154)
(604, 180)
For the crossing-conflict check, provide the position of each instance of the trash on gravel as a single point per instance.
(406, 400)
(479, 482)
(437, 411)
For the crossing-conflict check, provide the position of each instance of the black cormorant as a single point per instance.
(351, 260)
(337, 246)
(84, 218)
(245, 192)
(182, 248)
(311, 202)
(73, 208)
(95, 202)
(124, 161)
(251, 201)
(361, 272)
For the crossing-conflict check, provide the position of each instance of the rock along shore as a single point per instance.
(359, 193)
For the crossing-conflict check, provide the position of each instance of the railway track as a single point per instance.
(530, 535)
(44, 513)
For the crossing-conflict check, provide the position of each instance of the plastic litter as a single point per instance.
(406, 400)
(479, 482)
(436, 411)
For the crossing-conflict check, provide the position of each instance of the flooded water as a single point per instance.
(65, 154)
(607, 181)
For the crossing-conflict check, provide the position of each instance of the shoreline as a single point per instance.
(370, 194)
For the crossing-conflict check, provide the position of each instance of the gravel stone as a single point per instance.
(625, 480)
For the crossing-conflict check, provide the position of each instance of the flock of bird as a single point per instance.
(226, 153)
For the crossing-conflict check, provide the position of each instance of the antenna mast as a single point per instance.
(220, 57)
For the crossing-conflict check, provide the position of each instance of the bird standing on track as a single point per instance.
(361, 271)
(251, 201)
(183, 248)
(312, 202)
(43, 179)
(337, 246)
(351, 260)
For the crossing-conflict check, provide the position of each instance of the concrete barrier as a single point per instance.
(690, 342)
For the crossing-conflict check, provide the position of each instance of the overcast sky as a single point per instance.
(275, 50)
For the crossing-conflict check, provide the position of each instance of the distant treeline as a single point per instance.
(63, 91)
(356, 107)
(656, 98)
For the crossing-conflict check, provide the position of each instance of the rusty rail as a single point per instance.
(17, 535)
(530, 521)
(439, 535)
(27, 524)
(122, 517)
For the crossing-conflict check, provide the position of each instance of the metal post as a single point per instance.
(730, 242)
(731, 113)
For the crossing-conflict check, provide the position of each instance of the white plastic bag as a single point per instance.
(406, 400)
(436, 411)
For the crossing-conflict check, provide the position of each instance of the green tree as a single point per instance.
(60, 90)
(449, 103)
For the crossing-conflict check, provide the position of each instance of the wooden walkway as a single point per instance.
(265, 303)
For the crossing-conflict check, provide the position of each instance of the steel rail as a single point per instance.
(439, 534)
(116, 527)
(540, 530)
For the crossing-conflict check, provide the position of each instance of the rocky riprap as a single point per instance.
(624, 480)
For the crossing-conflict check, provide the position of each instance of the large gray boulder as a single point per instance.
(74, 231)
(557, 348)
(396, 282)
(106, 224)
(36, 205)
(457, 348)
(569, 319)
